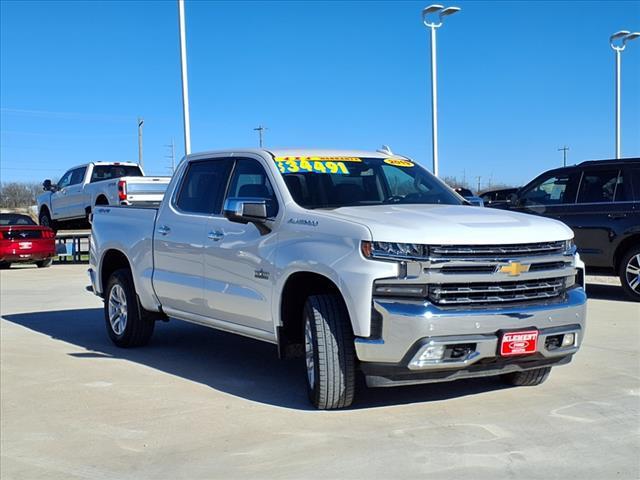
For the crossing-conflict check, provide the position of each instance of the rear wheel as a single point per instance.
(46, 221)
(528, 378)
(128, 324)
(4, 265)
(629, 273)
(330, 358)
(45, 263)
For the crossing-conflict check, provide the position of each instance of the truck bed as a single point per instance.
(130, 231)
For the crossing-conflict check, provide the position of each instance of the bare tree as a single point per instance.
(19, 194)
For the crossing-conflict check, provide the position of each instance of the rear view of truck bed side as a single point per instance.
(130, 230)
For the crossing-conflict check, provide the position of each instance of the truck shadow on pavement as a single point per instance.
(229, 363)
(599, 291)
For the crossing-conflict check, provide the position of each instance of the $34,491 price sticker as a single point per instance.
(302, 165)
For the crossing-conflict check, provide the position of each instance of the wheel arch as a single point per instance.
(297, 287)
(112, 260)
(622, 249)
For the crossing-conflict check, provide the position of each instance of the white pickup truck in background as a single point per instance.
(354, 261)
(97, 183)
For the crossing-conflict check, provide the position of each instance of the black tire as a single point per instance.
(45, 220)
(138, 323)
(45, 263)
(528, 378)
(5, 265)
(329, 343)
(629, 273)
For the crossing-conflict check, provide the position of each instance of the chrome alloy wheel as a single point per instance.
(308, 353)
(632, 273)
(118, 309)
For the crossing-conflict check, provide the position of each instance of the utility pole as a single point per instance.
(172, 155)
(478, 177)
(260, 129)
(140, 123)
(564, 151)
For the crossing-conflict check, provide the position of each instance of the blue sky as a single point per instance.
(517, 80)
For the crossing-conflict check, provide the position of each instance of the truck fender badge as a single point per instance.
(303, 221)
(262, 274)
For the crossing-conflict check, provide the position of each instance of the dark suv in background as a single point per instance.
(600, 201)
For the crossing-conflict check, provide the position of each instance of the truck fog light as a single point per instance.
(568, 339)
(432, 352)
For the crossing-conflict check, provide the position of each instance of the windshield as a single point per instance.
(15, 219)
(107, 172)
(332, 182)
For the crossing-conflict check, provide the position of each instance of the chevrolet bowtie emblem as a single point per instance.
(514, 268)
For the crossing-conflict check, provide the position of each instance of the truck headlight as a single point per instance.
(394, 251)
(569, 247)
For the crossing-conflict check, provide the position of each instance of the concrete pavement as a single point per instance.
(197, 403)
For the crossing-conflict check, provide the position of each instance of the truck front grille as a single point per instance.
(497, 251)
(456, 294)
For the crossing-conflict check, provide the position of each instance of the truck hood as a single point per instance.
(453, 224)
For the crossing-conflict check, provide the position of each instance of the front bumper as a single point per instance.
(409, 328)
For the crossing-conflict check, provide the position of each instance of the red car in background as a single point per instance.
(22, 240)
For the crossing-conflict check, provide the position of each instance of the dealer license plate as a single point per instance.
(25, 245)
(519, 343)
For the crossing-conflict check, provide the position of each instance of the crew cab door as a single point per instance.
(59, 204)
(75, 196)
(178, 240)
(238, 258)
(603, 213)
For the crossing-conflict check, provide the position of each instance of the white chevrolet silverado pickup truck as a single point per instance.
(98, 183)
(357, 262)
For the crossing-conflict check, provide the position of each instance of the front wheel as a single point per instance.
(128, 324)
(46, 221)
(528, 378)
(629, 273)
(330, 358)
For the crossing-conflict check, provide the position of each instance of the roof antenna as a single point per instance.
(385, 149)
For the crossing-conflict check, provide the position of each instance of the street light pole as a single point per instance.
(440, 12)
(618, 42)
(185, 82)
(140, 124)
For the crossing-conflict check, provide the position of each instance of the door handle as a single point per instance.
(163, 230)
(617, 215)
(215, 236)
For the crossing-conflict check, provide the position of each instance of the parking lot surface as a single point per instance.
(197, 403)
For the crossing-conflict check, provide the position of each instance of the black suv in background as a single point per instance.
(600, 201)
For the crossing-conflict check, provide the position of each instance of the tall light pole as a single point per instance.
(439, 12)
(618, 42)
(140, 124)
(185, 82)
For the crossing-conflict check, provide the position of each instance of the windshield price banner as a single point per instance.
(330, 165)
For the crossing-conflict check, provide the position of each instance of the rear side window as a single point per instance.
(203, 187)
(250, 181)
(77, 175)
(557, 190)
(107, 172)
(635, 178)
(601, 186)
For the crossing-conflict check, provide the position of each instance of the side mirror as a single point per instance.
(475, 201)
(47, 185)
(247, 210)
